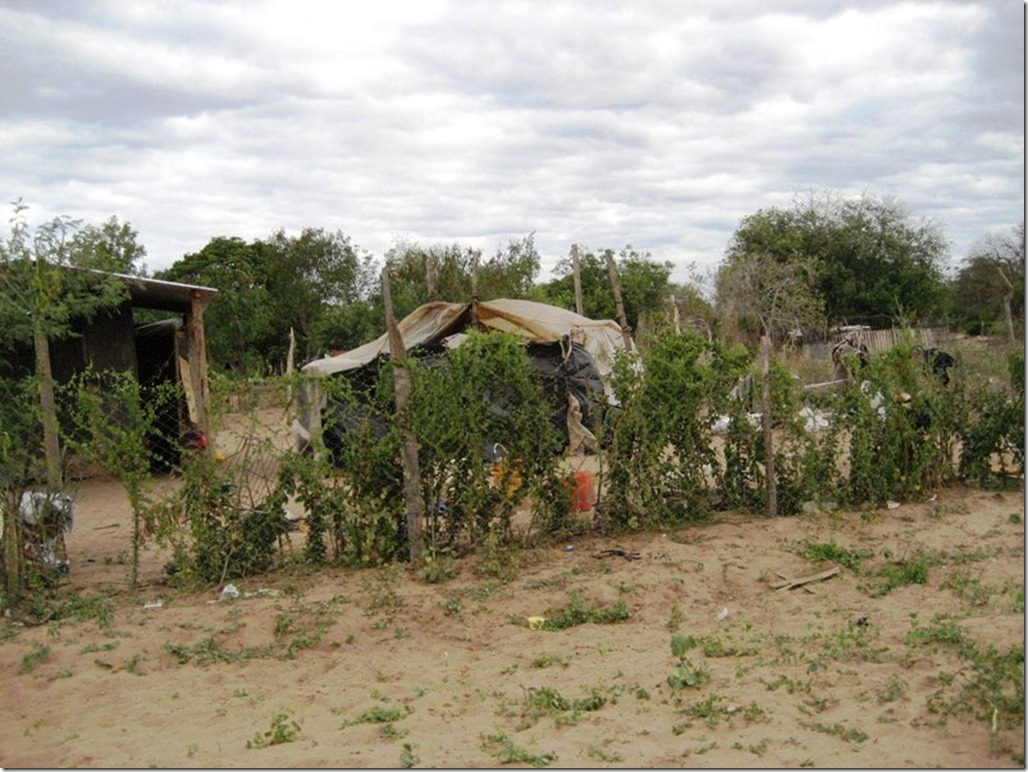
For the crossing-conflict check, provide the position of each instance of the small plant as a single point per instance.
(848, 734)
(506, 752)
(40, 653)
(830, 552)
(283, 729)
(895, 689)
(578, 612)
(376, 714)
(408, 758)
(912, 570)
(685, 674)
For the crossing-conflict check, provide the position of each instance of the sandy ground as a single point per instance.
(379, 668)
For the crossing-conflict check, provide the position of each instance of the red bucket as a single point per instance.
(585, 491)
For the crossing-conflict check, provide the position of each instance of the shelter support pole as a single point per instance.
(615, 285)
(48, 410)
(409, 445)
(196, 380)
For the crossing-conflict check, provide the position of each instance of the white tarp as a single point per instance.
(535, 322)
(440, 322)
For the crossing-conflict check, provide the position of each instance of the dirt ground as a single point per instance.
(380, 668)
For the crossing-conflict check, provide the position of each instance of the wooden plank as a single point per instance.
(789, 584)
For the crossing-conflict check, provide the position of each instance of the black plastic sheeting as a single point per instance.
(562, 368)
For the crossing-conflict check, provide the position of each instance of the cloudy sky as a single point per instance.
(655, 123)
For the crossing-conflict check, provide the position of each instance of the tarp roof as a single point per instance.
(531, 321)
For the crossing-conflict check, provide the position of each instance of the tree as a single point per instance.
(989, 289)
(112, 246)
(239, 320)
(509, 273)
(40, 297)
(644, 284)
(874, 262)
(774, 296)
(306, 277)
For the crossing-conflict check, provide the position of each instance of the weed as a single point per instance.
(894, 690)
(436, 571)
(578, 612)
(600, 754)
(687, 675)
(40, 653)
(830, 552)
(506, 752)
(844, 733)
(710, 710)
(912, 570)
(548, 660)
(390, 732)
(675, 620)
(408, 758)
(283, 730)
(376, 714)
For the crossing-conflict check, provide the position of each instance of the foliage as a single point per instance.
(874, 261)
(998, 429)
(284, 729)
(990, 282)
(579, 612)
(643, 280)
(111, 421)
(660, 444)
(111, 246)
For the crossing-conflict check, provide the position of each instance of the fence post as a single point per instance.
(615, 285)
(576, 269)
(765, 412)
(409, 446)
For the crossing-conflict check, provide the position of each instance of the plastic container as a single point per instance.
(585, 491)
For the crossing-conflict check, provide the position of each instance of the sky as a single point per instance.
(659, 124)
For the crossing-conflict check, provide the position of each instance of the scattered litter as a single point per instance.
(152, 605)
(731, 709)
(892, 504)
(535, 623)
(863, 622)
(570, 548)
(229, 592)
(722, 615)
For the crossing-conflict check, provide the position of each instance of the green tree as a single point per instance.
(644, 284)
(988, 290)
(40, 297)
(874, 261)
(238, 322)
(111, 246)
(307, 277)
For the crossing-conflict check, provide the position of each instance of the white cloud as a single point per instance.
(659, 124)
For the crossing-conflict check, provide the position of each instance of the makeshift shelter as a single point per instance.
(572, 354)
(173, 349)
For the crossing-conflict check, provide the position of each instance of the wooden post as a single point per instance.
(615, 285)
(475, 255)
(674, 313)
(430, 279)
(48, 411)
(409, 445)
(291, 354)
(765, 412)
(576, 269)
(196, 354)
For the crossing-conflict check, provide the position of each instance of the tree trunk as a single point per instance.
(765, 411)
(48, 411)
(409, 445)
